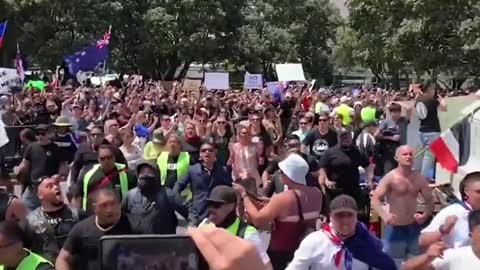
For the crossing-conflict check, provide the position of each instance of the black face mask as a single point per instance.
(148, 183)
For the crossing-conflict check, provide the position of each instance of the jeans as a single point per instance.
(428, 160)
(30, 198)
(401, 242)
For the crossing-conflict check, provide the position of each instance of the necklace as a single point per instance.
(101, 228)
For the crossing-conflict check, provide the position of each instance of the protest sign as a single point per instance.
(275, 89)
(253, 81)
(214, 80)
(8, 77)
(191, 85)
(290, 72)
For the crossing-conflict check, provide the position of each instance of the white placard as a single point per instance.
(253, 81)
(215, 80)
(8, 77)
(290, 72)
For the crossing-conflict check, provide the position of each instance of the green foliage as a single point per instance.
(163, 37)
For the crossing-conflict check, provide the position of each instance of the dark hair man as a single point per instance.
(13, 255)
(47, 226)
(80, 250)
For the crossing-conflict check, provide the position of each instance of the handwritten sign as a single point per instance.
(253, 81)
(290, 72)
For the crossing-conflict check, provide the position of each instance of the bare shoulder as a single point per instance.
(388, 178)
(420, 180)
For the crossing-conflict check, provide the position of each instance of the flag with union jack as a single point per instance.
(90, 58)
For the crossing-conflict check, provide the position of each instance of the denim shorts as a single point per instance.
(401, 242)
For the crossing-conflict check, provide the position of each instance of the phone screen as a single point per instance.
(144, 252)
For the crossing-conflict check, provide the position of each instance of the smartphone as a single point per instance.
(127, 252)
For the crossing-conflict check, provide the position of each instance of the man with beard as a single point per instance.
(80, 250)
(48, 226)
(155, 204)
(339, 172)
(222, 205)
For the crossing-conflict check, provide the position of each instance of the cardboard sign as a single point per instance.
(215, 80)
(191, 85)
(290, 72)
(8, 77)
(253, 81)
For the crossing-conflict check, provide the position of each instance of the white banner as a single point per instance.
(253, 81)
(8, 77)
(290, 72)
(215, 80)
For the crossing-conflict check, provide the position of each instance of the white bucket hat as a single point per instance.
(295, 168)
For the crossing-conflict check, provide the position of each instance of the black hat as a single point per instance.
(223, 194)
(149, 163)
(343, 203)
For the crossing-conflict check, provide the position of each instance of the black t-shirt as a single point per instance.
(342, 167)
(83, 241)
(427, 112)
(67, 146)
(59, 222)
(222, 145)
(44, 160)
(193, 148)
(318, 143)
(287, 107)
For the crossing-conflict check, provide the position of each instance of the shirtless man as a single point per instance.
(400, 189)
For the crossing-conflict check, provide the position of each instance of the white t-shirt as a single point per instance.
(459, 235)
(461, 258)
(316, 252)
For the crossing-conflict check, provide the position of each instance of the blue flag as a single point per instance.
(89, 58)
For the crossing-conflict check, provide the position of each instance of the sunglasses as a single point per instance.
(323, 120)
(215, 205)
(292, 145)
(221, 122)
(40, 133)
(303, 123)
(209, 150)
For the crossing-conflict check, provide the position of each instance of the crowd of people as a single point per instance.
(290, 177)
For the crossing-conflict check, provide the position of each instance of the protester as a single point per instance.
(156, 204)
(41, 158)
(317, 141)
(131, 152)
(203, 177)
(400, 188)
(292, 211)
(450, 225)
(222, 206)
(345, 243)
(438, 257)
(13, 255)
(80, 250)
(106, 174)
(427, 106)
(47, 226)
(11, 208)
(156, 146)
(64, 139)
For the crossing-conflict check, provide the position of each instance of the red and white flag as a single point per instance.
(451, 149)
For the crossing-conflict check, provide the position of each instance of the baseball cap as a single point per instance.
(295, 168)
(222, 194)
(343, 203)
(150, 163)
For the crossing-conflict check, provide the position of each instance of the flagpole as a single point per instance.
(105, 61)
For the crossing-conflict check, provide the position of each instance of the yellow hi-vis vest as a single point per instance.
(86, 179)
(240, 228)
(31, 262)
(183, 163)
(345, 110)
